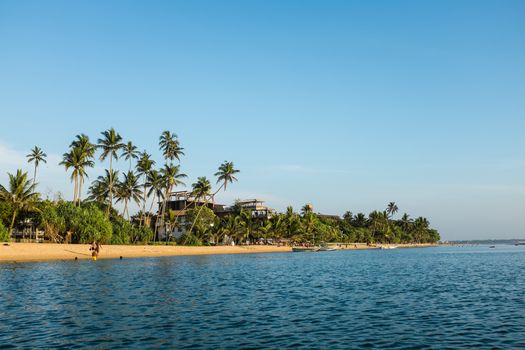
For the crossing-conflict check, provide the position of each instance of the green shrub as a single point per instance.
(189, 239)
(4, 233)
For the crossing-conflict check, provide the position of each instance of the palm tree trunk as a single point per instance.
(80, 189)
(34, 176)
(168, 190)
(76, 190)
(125, 212)
(143, 206)
(12, 224)
(110, 183)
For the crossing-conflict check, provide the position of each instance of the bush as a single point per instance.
(189, 239)
(125, 232)
(4, 233)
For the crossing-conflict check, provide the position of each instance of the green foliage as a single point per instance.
(4, 233)
(204, 224)
(125, 232)
(189, 239)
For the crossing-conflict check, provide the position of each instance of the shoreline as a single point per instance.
(45, 252)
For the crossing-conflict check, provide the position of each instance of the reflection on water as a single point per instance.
(421, 298)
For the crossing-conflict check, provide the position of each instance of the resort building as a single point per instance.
(180, 202)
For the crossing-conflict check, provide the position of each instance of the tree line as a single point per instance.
(95, 217)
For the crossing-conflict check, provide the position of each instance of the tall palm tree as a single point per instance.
(226, 174)
(87, 151)
(128, 190)
(306, 209)
(76, 159)
(170, 146)
(37, 156)
(144, 166)
(172, 178)
(392, 209)
(110, 143)
(20, 194)
(156, 184)
(201, 190)
(129, 152)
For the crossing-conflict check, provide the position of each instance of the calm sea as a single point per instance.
(436, 298)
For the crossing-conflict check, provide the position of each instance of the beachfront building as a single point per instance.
(180, 202)
(257, 207)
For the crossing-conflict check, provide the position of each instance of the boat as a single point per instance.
(326, 249)
(304, 249)
(492, 246)
(388, 247)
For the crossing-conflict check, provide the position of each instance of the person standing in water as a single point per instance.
(95, 249)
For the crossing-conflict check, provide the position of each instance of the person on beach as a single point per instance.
(95, 249)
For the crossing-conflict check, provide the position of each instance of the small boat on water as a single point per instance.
(326, 249)
(388, 247)
(304, 249)
(492, 246)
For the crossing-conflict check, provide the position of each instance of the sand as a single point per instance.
(24, 252)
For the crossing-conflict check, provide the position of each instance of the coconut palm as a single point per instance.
(20, 194)
(128, 190)
(172, 178)
(110, 143)
(306, 209)
(156, 184)
(392, 209)
(99, 190)
(129, 152)
(226, 174)
(87, 151)
(76, 160)
(36, 156)
(201, 190)
(144, 166)
(170, 146)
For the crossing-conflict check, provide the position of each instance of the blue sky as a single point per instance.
(344, 104)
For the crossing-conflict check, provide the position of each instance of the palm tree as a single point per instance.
(128, 189)
(37, 156)
(110, 144)
(156, 184)
(307, 209)
(172, 178)
(144, 166)
(226, 174)
(20, 194)
(170, 146)
(392, 209)
(76, 159)
(201, 190)
(129, 152)
(99, 190)
(87, 151)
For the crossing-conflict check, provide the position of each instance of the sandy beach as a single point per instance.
(24, 252)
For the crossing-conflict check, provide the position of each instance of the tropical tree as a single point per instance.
(306, 209)
(144, 166)
(172, 178)
(201, 190)
(156, 184)
(226, 174)
(391, 209)
(170, 146)
(129, 152)
(110, 143)
(87, 151)
(76, 159)
(36, 156)
(20, 194)
(99, 190)
(128, 190)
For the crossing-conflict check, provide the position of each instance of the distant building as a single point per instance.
(180, 202)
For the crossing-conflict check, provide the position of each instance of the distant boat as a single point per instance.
(492, 246)
(304, 249)
(326, 249)
(388, 247)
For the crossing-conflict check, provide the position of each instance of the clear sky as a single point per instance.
(344, 104)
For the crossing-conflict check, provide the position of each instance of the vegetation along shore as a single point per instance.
(170, 216)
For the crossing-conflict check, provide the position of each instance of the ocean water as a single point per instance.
(447, 297)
